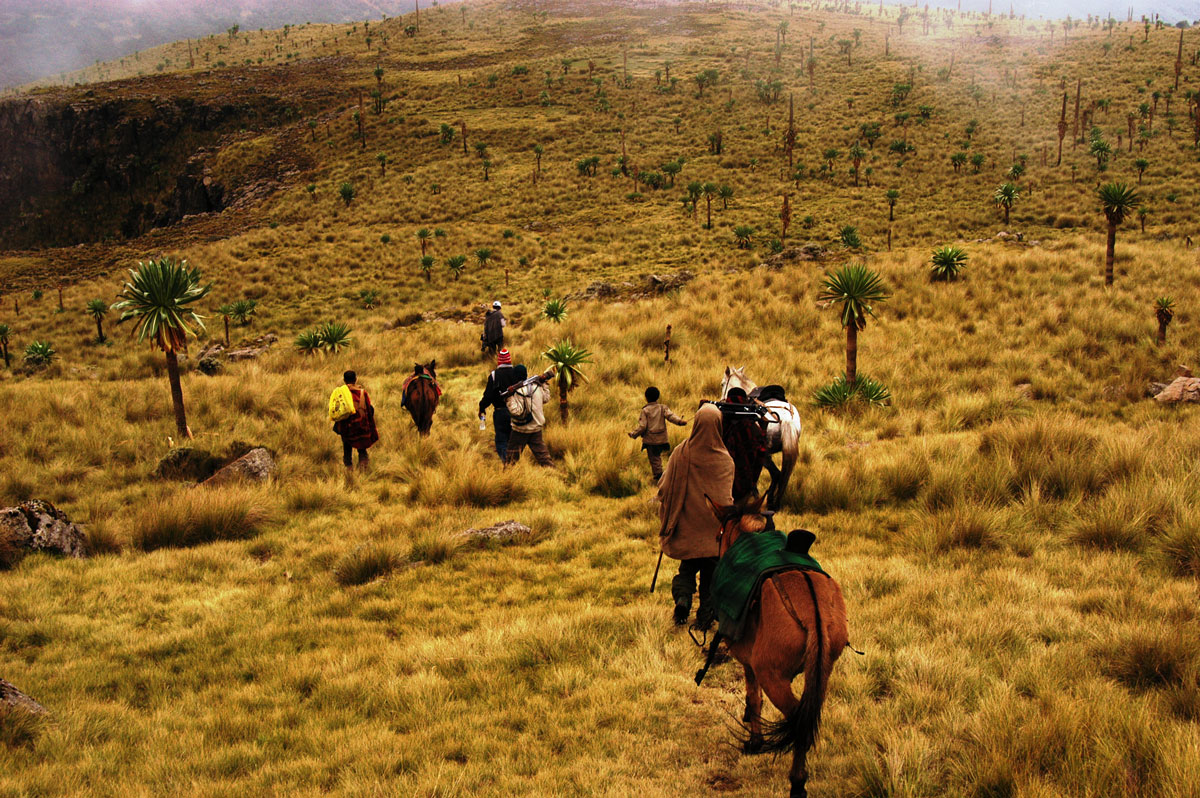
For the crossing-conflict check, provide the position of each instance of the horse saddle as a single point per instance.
(769, 393)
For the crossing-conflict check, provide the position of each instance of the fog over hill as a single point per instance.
(42, 38)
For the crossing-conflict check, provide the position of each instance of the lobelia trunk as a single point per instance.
(1110, 252)
(1162, 331)
(1005, 214)
(562, 401)
(177, 395)
(99, 331)
(708, 211)
(226, 332)
(851, 354)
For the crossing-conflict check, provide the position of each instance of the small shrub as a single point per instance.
(840, 394)
(364, 564)
(947, 263)
(850, 237)
(199, 516)
(555, 310)
(39, 353)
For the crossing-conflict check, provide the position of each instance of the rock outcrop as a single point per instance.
(10, 696)
(501, 533)
(38, 525)
(1181, 389)
(257, 465)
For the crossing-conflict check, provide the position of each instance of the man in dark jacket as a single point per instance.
(498, 382)
(493, 329)
(746, 441)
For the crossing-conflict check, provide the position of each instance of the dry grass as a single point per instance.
(1019, 563)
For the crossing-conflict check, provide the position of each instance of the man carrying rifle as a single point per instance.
(525, 401)
(744, 433)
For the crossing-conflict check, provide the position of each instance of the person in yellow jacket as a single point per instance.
(353, 419)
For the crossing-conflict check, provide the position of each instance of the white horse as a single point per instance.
(783, 434)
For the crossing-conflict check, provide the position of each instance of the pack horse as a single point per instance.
(783, 430)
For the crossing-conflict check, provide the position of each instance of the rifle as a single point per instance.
(754, 411)
(536, 378)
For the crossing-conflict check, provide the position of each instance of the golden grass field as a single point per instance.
(1016, 535)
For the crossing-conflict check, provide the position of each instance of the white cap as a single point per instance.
(496, 304)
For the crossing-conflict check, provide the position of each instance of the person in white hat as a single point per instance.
(493, 329)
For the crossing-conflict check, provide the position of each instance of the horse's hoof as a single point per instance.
(753, 746)
(798, 790)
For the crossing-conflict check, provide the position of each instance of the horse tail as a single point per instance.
(799, 728)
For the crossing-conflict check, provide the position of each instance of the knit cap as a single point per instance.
(504, 358)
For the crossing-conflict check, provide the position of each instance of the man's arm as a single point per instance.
(490, 395)
(674, 419)
(641, 427)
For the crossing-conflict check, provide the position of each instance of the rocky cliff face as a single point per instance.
(77, 167)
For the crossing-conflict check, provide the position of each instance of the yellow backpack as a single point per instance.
(341, 404)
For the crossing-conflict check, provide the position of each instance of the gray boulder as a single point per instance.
(501, 533)
(257, 465)
(10, 696)
(38, 525)
(252, 349)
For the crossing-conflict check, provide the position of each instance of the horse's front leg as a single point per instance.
(753, 714)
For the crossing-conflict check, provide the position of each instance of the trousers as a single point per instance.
(348, 455)
(684, 585)
(517, 442)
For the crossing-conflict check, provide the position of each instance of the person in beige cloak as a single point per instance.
(699, 467)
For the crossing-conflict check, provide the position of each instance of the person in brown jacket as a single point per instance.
(652, 429)
(699, 467)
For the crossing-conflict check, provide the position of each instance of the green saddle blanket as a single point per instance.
(750, 560)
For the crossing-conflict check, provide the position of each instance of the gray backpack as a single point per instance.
(520, 404)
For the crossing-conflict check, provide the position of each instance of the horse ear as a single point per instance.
(716, 509)
(432, 364)
(755, 507)
(727, 371)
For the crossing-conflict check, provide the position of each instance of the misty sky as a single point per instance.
(1171, 10)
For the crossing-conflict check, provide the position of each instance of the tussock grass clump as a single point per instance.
(465, 478)
(434, 546)
(902, 476)
(365, 564)
(1146, 659)
(1118, 521)
(1177, 546)
(312, 496)
(960, 526)
(101, 539)
(19, 728)
(195, 517)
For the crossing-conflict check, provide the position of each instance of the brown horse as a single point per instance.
(797, 623)
(421, 395)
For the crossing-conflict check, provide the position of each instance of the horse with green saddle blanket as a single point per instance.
(786, 616)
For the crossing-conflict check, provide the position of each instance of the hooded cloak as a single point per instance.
(700, 467)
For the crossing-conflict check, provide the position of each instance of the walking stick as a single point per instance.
(654, 581)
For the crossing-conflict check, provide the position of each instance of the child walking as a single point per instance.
(652, 429)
